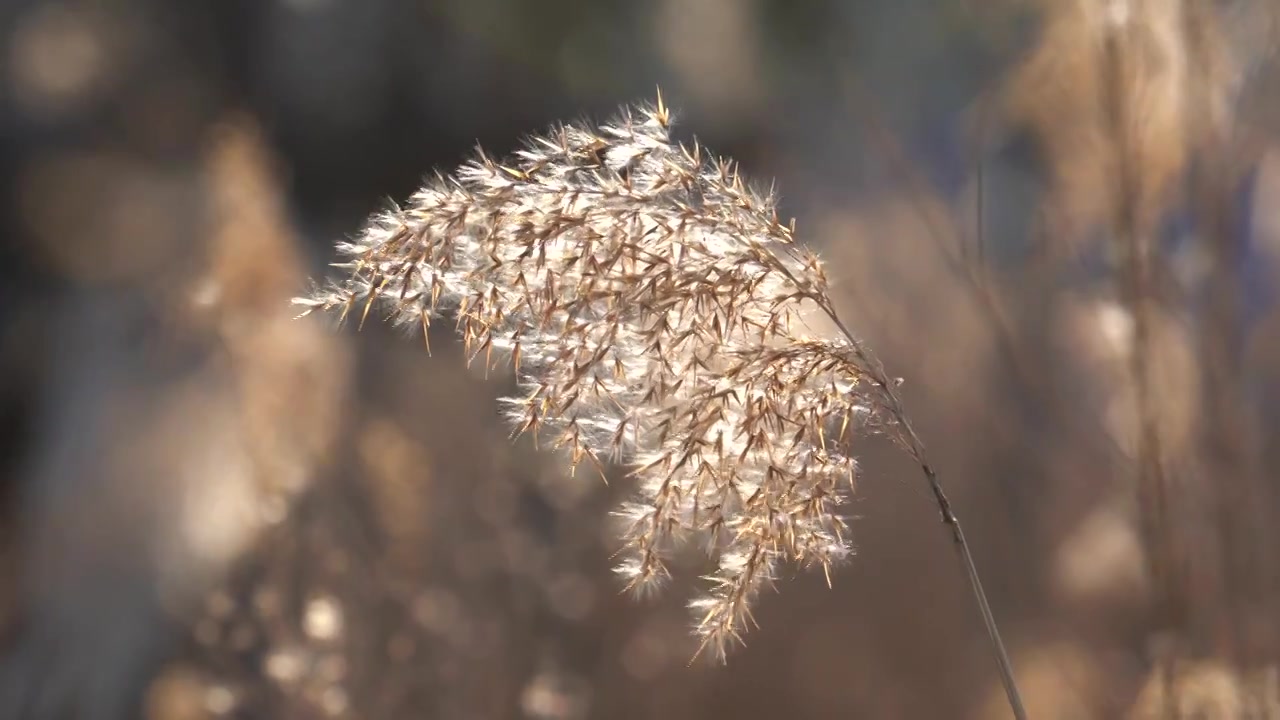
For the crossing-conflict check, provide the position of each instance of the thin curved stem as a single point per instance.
(916, 447)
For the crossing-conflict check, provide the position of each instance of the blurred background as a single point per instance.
(1057, 220)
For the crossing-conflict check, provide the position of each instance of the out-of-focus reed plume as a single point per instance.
(1060, 97)
(254, 259)
(189, 433)
(1136, 107)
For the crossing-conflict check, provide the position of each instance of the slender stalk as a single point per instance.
(916, 448)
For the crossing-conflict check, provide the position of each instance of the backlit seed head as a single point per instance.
(658, 314)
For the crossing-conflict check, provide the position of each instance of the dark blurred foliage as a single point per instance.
(213, 510)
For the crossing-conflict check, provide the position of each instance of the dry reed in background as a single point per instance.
(658, 314)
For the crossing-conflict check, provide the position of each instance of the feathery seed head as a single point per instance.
(657, 314)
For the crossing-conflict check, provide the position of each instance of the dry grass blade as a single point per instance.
(660, 315)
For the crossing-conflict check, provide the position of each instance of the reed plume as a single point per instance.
(659, 315)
